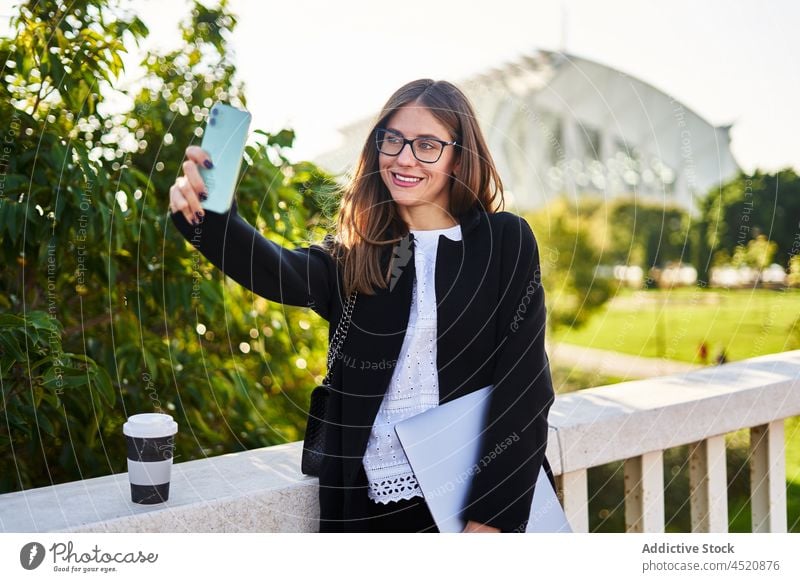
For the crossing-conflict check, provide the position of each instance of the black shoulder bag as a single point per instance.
(314, 443)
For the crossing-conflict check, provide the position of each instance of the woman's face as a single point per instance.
(410, 181)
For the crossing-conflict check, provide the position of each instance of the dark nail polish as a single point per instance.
(208, 164)
(203, 196)
(194, 222)
(199, 216)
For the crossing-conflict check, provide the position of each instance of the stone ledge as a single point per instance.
(253, 491)
(263, 490)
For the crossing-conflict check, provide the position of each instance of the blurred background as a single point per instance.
(652, 147)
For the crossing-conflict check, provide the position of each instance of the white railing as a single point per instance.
(634, 422)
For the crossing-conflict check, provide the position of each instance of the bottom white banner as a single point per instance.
(389, 557)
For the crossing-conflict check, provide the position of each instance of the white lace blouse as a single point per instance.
(414, 387)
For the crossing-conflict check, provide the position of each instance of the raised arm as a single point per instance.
(305, 276)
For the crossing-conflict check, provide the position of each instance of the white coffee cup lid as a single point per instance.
(150, 425)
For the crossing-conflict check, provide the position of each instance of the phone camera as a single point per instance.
(212, 121)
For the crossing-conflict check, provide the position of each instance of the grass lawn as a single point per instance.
(569, 379)
(792, 429)
(673, 324)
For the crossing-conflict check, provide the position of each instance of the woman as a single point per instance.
(449, 300)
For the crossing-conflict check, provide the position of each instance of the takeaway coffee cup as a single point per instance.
(151, 442)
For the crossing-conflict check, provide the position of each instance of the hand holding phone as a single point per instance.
(211, 171)
(188, 191)
(224, 139)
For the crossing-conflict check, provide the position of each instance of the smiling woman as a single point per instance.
(448, 288)
(418, 176)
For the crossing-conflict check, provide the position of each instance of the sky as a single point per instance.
(315, 66)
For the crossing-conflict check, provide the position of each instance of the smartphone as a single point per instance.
(224, 139)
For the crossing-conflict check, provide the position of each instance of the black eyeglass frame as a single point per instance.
(410, 142)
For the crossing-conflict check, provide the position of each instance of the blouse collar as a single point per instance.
(451, 232)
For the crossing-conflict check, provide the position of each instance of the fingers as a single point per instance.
(184, 200)
(192, 174)
(177, 203)
(199, 156)
(189, 190)
(196, 211)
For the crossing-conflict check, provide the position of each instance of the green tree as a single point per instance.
(57, 201)
(629, 232)
(746, 207)
(108, 312)
(569, 259)
(760, 252)
(794, 270)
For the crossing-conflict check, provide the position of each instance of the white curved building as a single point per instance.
(559, 124)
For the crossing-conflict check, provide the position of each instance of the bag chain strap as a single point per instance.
(340, 334)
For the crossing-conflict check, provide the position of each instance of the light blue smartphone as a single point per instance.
(224, 139)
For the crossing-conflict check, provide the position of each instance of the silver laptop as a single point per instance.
(442, 445)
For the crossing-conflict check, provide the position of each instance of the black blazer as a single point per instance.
(491, 330)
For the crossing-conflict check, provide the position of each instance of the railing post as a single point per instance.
(644, 493)
(768, 478)
(574, 493)
(708, 485)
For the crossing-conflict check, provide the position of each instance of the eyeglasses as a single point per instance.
(425, 149)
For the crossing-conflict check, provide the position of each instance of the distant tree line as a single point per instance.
(751, 220)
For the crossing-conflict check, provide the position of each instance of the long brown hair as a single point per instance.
(368, 220)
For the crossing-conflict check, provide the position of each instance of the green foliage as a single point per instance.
(793, 335)
(61, 52)
(758, 253)
(106, 310)
(745, 208)
(568, 260)
(794, 271)
(580, 238)
(629, 232)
